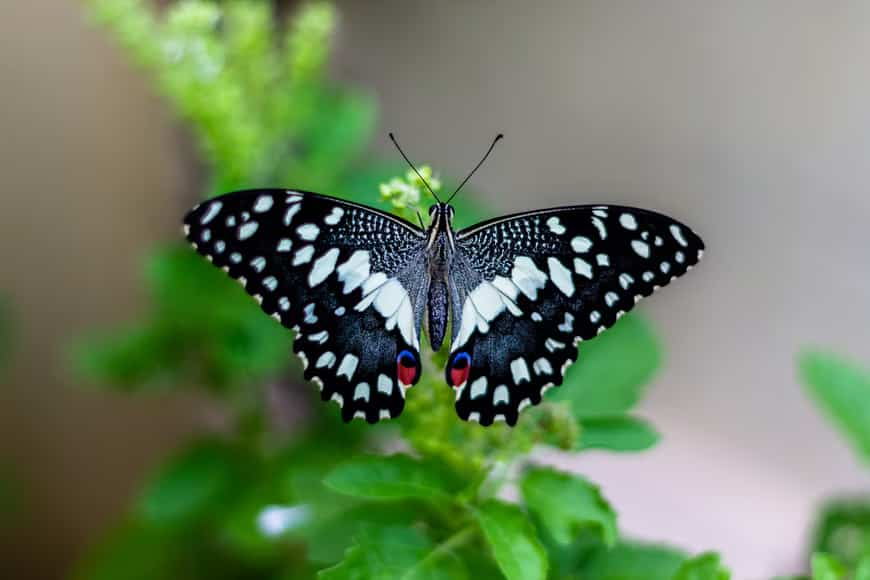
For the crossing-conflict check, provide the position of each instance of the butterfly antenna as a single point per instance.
(476, 167)
(396, 143)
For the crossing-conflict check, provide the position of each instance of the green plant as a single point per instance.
(841, 389)
(246, 503)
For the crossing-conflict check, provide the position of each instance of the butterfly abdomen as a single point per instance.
(437, 301)
(437, 308)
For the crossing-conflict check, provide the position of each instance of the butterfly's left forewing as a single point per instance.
(345, 277)
(526, 289)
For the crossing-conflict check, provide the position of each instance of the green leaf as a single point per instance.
(329, 536)
(197, 481)
(391, 478)
(704, 566)
(862, 571)
(609, 377)
(632, 561)
(843, 529)
(567, 504)
(826, 567)
(390, 553)
(510, 535)
(622, 433)
(842, 390)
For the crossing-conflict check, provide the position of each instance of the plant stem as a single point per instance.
(454, 541)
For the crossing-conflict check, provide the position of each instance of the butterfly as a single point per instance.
(357, 285)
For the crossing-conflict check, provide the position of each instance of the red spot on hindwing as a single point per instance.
(459, 376)
(407, 374)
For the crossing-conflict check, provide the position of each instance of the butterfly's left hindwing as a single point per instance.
(345, 277)
(526, 289)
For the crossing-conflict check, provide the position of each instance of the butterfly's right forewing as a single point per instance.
(527, 288)
(345, 277)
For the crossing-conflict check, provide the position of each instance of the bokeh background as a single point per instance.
(748, 120)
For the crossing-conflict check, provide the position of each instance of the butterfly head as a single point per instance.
(440, 214)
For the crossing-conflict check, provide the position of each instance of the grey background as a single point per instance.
(749, 120)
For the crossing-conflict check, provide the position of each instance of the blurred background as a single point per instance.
(748, 120)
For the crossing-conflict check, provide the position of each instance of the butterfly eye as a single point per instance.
(407, 368)
(460, 369)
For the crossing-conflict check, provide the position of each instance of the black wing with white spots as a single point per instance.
(527, 288)
(345, 277)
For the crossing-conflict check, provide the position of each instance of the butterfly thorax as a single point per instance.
(440, 252)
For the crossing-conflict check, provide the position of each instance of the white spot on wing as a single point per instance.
(303, 255)
(520, 371)
(319, 337)
(640, 248)
(248, 229)
(611, 298)
(677, 232)
(555, 225)
(323, 267)
(561, 276)
(258, 263)
(308, 232)
(355, 271)
(582, 267)
(542, 367)
(478, 388)
(599, 225)
(334, 216)
(310, 318)
(362, 391)
(602, 259)
(213, 209)
(528, 278)
(627, 221)
(327, 360)
(347, 366)
(625, 280)
(568, 324)
(594, 316)
(271, 283)
(553, 345)
(284, 245)
(291, 211)
(581, 244)
(263, 203)
(501, 395)
(385, 384)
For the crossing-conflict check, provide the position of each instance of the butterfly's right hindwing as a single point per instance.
(345, 277)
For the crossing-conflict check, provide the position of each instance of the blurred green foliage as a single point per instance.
(841, 389)
(244, 503)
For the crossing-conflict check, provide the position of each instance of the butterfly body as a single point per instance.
(517, 293)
